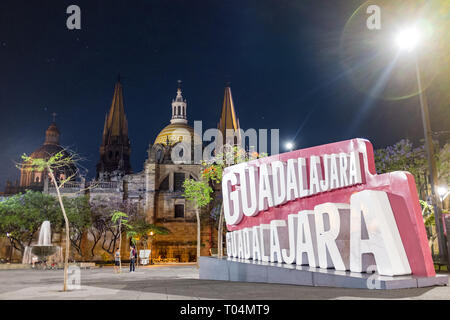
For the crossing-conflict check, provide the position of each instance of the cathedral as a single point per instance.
(156, 191)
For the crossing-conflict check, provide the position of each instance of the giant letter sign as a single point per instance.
(326, 207)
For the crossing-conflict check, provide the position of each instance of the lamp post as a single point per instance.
(151, 245)
(8, 235)
(407, 40)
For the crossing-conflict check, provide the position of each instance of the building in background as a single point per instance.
(156, 192)
(115, 149)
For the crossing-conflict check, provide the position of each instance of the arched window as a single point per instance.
(179, 110)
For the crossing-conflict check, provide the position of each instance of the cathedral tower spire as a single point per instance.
(228, 119)
(179, 107)
(115, 148)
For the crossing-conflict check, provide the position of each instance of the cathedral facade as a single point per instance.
(156, 191)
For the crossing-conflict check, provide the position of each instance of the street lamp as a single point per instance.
(8, 235)
(290, 146)
(407, 40)
(151, 244)
(443, 192)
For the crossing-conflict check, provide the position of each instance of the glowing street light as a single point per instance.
(9, 236)
(151, 245)
(290, 146)
(443, 192)
(407, 39)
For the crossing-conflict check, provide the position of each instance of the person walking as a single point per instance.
(117, 261)
(132, 258)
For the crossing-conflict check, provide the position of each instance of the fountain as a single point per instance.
(43, 250)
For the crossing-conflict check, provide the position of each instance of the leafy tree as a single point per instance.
(97, 230)
(22, 215)
(79, 215)
(427, 213)
(403, 156)
(201, 192)
(103, 225)
(120, 219)
(50, 165)
(141, 231)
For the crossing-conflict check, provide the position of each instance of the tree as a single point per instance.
(201, 192)
(79, 215)
(403, 156)
(22, 215)
(120, 219)
(103, 225)
(97, 229)
(141, 230)
(57, 162)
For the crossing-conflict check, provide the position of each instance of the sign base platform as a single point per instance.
(233, 269)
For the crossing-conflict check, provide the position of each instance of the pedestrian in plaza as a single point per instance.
(117, 261)
(132, 258)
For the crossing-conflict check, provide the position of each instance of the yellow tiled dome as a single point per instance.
(175, 132)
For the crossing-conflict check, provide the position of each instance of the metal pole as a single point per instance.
(443, 250)
(10, 250)
(151, 251)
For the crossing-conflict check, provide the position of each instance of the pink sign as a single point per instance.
(272, 188)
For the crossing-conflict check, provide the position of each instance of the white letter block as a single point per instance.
(248, 243)
(233, 214)
(265, 188)
(306, 239)
(264, 242)
(229, 243)
(292, 180)
(249, 193)
(279, 182)
(278, 239)
(333, 235)
(256, 243)
(240, 244)
(289, 254)
(382, 235)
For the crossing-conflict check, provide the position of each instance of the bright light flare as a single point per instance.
(407, 39)
(442, 191)
(289, 145)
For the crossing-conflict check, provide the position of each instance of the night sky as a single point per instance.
(281, 57)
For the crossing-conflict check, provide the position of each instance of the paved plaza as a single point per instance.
(179, 282)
